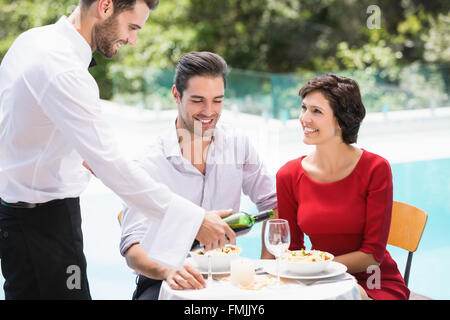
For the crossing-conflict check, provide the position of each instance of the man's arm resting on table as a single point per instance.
(137, 260)
(185, 278)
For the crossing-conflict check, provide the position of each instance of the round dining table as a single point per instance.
(335, 284)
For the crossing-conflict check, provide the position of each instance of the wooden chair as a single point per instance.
(407, 225)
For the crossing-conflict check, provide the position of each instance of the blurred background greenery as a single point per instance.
(272, 47)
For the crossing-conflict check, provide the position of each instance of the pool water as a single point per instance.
(426, 185)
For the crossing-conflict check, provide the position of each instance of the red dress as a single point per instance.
(344, 216)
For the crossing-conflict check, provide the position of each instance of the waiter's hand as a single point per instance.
(214, 233)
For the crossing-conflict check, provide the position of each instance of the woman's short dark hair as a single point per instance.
(199, 64)
(344, 98)
(123, 5)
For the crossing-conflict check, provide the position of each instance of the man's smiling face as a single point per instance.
(201, 104)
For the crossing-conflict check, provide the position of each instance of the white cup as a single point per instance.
(242, 272)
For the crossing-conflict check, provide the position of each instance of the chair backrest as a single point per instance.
(407, 225)
(119, 217)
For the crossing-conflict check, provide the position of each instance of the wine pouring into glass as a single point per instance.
(277, 240)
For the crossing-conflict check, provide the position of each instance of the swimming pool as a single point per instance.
(424, 184)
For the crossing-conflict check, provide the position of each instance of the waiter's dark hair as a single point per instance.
(344, 98)
(199, 64)
(122, 5)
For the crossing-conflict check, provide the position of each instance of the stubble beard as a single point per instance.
(105, 37)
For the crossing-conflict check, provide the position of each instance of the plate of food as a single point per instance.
(220, 259)
(305, 262)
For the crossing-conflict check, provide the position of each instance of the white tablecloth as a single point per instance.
(342, 287)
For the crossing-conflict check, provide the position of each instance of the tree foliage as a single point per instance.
(265, 35)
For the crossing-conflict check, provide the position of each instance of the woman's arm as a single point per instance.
(356, 261)
(377, 224)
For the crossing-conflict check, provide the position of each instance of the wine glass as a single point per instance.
(277, 240)
(210, 279)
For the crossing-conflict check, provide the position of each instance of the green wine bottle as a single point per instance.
(241, 222)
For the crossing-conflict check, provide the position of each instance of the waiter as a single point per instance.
(50, 122)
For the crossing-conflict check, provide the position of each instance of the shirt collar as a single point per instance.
(80, 45)
(170, 142)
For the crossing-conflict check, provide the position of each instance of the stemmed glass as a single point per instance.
(277, 240)
(210, 279)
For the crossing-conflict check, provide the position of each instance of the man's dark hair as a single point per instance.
(199, 64)
(122, 5)
(345, 99)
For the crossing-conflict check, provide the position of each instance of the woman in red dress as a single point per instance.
(341, 195)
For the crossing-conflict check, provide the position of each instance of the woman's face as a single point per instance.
(318, 121)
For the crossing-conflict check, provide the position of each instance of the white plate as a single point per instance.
(334, 269)
(202, 271)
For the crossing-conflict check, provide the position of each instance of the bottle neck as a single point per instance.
(264, 215)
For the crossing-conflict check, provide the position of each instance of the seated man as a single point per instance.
(206, 163)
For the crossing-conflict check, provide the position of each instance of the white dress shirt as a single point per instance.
(232, 167)
(50, 121)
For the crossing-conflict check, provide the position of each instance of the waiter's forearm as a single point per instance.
(134, 185)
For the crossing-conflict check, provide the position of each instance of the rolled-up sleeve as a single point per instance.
(134, 228)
